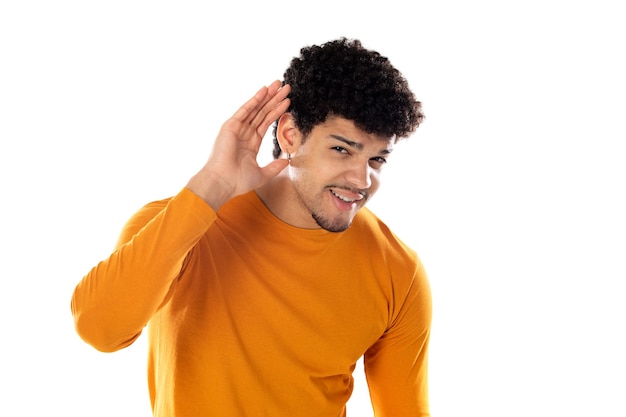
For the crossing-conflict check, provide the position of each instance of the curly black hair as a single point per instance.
(342, 78)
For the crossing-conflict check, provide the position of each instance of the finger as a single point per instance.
(274, 87)
(272, 116)
(273, 168)
(251, 106)
(248, 112)
(275, 93)
(272, 110)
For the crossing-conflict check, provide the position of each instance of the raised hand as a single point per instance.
(232, 167)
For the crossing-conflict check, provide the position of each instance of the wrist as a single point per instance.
(211, 187)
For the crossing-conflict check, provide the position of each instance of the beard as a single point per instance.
(314, 203)
(329, 225)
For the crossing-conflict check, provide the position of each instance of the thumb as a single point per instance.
(273, 168)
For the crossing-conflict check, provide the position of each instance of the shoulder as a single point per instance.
(376, 234)
(397, 264)
(381, 243)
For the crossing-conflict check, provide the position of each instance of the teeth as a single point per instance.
(342, 198)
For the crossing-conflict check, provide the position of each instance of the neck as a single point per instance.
(280, 197)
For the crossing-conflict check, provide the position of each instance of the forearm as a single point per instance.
(116, 299)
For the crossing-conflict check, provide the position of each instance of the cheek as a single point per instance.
(299, 173)
(309, 171)
(304, 180)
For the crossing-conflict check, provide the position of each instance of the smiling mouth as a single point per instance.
(351, 196)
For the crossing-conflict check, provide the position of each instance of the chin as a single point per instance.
(339, 229)
(332, 226)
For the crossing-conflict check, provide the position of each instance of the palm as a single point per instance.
(235, 153)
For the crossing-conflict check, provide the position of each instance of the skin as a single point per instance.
(331, 175)
(232, 168)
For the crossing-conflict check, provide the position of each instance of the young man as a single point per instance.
(263, 286)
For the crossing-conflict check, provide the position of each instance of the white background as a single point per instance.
(512, 191)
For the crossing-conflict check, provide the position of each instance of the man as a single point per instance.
(263, 286)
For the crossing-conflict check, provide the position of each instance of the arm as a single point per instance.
(396, 366)
(113, 303)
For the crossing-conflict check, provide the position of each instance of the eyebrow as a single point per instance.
(358, 145)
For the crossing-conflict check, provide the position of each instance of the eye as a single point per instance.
(339, 149)
(377, 162)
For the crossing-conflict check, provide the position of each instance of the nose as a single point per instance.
(359, 175)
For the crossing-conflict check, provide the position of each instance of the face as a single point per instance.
(334, 172)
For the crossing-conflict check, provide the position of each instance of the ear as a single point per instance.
(287, 134)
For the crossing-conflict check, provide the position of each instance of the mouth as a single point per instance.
(346, 197)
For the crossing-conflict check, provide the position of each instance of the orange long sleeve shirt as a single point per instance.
(249, 316)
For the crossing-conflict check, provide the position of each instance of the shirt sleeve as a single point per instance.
(396, 366)
(113, 303)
